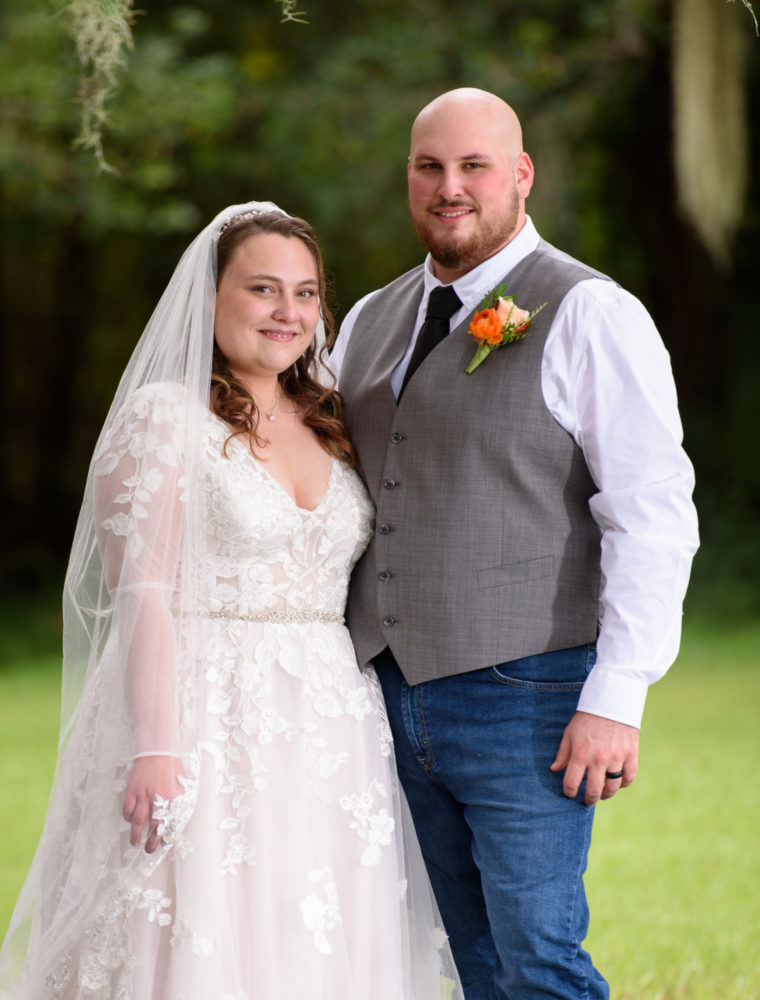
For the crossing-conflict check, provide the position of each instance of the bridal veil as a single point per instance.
(135, 581)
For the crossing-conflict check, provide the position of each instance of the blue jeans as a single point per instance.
(505, 849)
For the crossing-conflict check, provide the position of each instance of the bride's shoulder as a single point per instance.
(155, 415)
(160, 402)
(160, 393)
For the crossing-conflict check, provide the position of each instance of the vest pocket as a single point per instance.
(532, 569)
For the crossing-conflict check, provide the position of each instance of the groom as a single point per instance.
(533, 542)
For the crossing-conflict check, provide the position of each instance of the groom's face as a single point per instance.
(466, 193)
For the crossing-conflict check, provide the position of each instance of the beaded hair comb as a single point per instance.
(240, 218)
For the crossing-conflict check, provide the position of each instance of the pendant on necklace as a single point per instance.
(270, 414)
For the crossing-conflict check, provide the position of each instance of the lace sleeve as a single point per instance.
(139, 515)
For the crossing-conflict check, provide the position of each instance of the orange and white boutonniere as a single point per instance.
(498, 321)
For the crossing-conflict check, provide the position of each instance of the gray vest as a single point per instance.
(484, 548)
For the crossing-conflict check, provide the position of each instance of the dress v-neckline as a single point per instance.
(237, 442)
(303, 510)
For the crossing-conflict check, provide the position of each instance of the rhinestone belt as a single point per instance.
(277, 617)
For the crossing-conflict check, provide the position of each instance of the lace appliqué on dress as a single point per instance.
(376, 827)
(174, 814)
(321, 913)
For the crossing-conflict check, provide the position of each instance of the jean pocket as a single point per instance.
(561, 670)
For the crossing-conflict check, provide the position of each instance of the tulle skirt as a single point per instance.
(288, 869)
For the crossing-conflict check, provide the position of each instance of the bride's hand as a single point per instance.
(149, 777)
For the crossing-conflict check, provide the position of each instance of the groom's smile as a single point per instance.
(467, 187)
(451, 213)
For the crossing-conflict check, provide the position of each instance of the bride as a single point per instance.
(225, 821)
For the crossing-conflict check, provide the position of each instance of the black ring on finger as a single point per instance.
(613, 775)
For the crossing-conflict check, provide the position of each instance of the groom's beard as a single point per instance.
(492, 234)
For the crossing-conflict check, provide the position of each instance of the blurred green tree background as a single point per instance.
(222, 102)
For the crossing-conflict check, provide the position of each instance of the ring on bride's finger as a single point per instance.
(613, 775)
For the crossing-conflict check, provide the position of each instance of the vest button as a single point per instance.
(389, 621)
(383, 529)
(384, 576)
(397, 436)
(389, 484)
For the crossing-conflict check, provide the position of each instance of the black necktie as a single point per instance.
(442, 305)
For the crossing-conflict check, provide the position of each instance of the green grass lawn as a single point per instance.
(29, 713)
(674, 878)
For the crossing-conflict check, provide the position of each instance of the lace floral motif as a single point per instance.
(174, 815)
(322, 765)
(56, 982)
(185, 938)
(321, 913)
(105, 959)
(375, 694)
(153, 453)
(373, 827)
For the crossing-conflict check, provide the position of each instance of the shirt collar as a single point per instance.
(473, 287)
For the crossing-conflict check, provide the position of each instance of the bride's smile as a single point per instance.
(267, 307)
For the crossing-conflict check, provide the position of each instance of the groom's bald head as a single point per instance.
(479, 110)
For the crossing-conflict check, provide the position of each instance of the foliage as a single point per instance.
(102, 32)
(221, 102)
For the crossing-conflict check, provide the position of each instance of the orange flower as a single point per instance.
(498, 322)
(487, 326)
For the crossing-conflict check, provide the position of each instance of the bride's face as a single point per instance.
(267, 305)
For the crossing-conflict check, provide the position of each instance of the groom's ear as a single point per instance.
(524, 173)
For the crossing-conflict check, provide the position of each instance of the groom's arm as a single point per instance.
(607, 380)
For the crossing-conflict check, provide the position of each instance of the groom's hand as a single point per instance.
(595, 747)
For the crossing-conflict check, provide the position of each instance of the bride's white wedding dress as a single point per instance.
(287, 869)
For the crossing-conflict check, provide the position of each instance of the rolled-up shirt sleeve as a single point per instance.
(606, 378)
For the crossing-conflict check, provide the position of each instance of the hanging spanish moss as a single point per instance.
(102, 33)
(710, 120)
(289, 13)
(750, 8)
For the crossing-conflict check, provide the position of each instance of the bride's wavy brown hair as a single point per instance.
(321, 406)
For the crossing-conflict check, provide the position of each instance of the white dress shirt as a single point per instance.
(606, 379)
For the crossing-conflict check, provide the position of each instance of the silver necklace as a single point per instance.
(269, 414)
